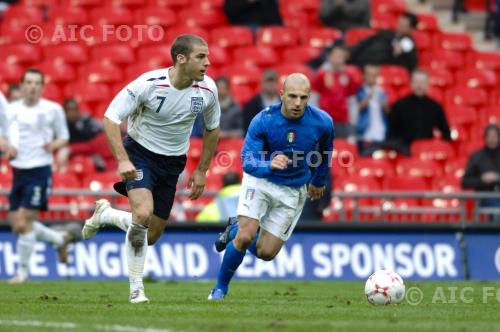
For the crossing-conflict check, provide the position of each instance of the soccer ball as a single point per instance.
(384, 287)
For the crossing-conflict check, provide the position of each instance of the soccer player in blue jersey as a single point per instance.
(282, 142)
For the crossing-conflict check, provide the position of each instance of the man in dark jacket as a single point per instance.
(416, 116)
(389, 47)
(483, 168)
(269, 94)
(252, 12)
(345, 14)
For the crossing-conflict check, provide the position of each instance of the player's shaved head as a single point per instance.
(296, 80)
(184, 45)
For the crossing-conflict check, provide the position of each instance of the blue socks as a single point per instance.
(232, 259)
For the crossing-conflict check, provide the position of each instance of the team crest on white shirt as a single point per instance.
(196, 105)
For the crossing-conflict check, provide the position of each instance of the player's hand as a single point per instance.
(490, 177)
(49, 147)
(127, 170)
(11, 152)
(196, 183)
(280, 162)
(315, 192)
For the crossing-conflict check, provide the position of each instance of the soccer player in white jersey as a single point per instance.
(36, 128)
(161, 107)
(3, 124)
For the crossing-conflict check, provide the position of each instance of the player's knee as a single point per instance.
(266, 254)
(142, 216)
(244, 239)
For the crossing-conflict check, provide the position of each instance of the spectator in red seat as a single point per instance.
(86, 137)
(371, 108)
(231, 118)
(269, 95)
(345, 14)
(389, 47)
(253, 13)
(483, 168)
(14, 93)
(332, 87)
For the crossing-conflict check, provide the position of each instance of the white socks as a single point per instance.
(46, 234)
(118, 218)
(25, 245)
(136, 245)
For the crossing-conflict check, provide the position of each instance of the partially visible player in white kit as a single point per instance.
(36, 128)
(161, 107)
(3, 124)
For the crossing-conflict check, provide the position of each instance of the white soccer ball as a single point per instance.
(384, 287)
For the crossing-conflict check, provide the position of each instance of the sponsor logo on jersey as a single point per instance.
(196, 104)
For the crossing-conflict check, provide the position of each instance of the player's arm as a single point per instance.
(317, 184)
(124, 103)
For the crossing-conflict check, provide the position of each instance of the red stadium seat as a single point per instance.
(355, 184)
(65, 180)
(447, 184)
(68, 15)
(232, 36)
(403, 183)
(242, 93)
(388, 6)
(155, 16)
(80, 3)
(300, 54)
(194, 17)
(437, 150)
(263, 56)
(495, 97)
(460, 115)
(57, 72)
(20, 53)
(394, 75)
(383, 21)
(87, 92)
(300, 5)
(422, 40)
(355, 35)
(175, 4)
(39, 3)
(466, 96)
(211, 4)
(11, 73)
(232, 145)
(453, 41)
(175, 31)
(441, 78)
(52, 92)
(118, 54)
(344, 156)
(410, 167)
(100, 181)
(484, 60)
(80, 165)
(443, 59)
(277, 37)
(476, 78)
(240, 75)
(456, 167)
(295, 19)
(427, 22)
(22, 16)
(111, 16)
(373, 168)
(154, 55)
(195, 148)
(319, 37)
(126, 3)
(97, 72)
(70, 53)
(12, 34)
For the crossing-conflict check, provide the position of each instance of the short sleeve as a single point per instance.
(125, 102)
(211, 114)
(60, 125)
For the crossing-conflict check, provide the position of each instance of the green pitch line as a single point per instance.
(250, 306)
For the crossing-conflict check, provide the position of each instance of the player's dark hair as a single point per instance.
(33, 71)
(184, 45)
(491, 127)
(412, 18)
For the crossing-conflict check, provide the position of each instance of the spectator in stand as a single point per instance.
(332, 87)
(253, 13)
(231, 119)
(389, 47)
(14, 93)
(345, 14)
(417, 115)
(269, 95)
(483, 168)
(371, 108)
(86, 137)
(225, 203)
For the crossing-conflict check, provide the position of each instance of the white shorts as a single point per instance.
(276, 207)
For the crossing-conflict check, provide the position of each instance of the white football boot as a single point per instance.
(93, 224)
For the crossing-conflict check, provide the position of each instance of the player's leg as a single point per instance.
(136, 244)
(105, 215)
(22, 224)
(235, 252)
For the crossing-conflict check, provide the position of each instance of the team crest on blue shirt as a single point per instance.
(196, 105)
(291, 135)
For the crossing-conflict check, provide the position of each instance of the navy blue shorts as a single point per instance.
(31, 188)
(156, 172)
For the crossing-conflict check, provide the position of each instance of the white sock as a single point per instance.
(46, 234)
(136, 256)
(25, 245)
(118, 218)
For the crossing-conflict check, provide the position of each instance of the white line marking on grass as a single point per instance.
(71, 326)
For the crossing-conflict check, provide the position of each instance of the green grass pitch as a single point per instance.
(250, 306)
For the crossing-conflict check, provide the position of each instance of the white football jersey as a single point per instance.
(31, 127)
(160, 117)
(3, 118)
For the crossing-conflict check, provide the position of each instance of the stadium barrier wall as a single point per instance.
(321, 254)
